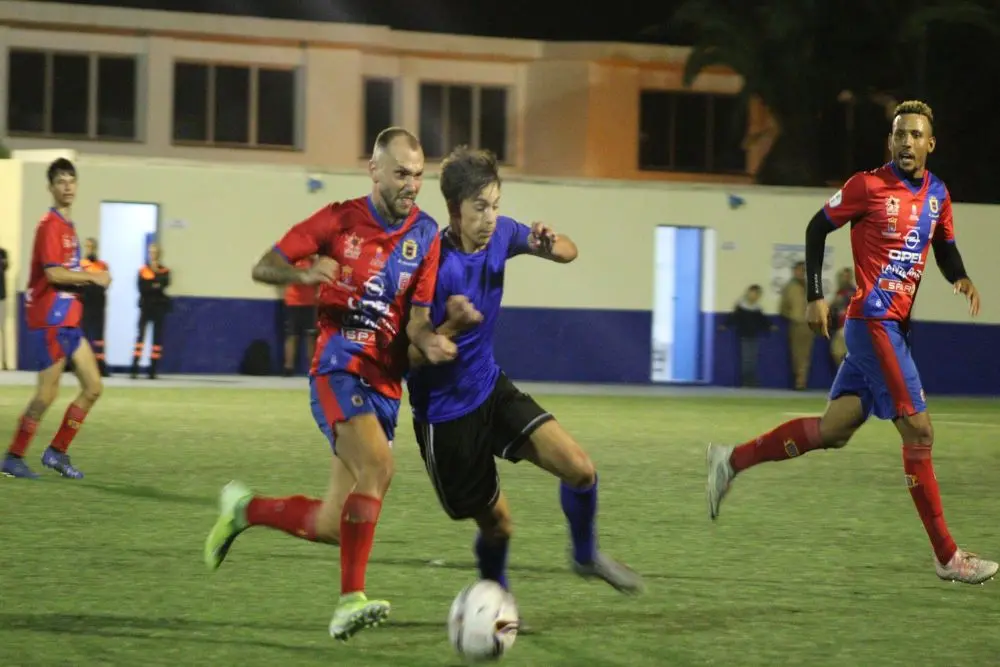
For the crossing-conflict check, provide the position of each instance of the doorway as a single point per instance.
(683, 295)
(126, 230)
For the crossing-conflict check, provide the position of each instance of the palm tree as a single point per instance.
(798, 56)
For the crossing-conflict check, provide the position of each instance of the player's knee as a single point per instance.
(378, 470)
(580, 473)
(917, 430)
(92, 390)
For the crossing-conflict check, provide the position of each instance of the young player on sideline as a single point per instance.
(53, 313)
(896, 213)
(467, 412)
(378, 258)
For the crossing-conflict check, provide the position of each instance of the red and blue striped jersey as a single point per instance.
(384, 270)
(56, 244)
(893, 223)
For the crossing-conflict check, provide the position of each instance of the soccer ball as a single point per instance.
(482, 623)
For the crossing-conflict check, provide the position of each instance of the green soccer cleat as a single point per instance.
(231, 522)
(354, 613)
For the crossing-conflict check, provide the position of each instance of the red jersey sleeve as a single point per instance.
(426, 278)
(849, 203)
(945, 230)
(314, 235)
(48, 244)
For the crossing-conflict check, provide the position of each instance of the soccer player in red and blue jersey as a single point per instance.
(376, 268)
(896, 214)
(53, 311)
(467, 412)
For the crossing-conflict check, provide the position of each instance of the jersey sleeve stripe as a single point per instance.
(281, 252)
(422, 304)
(52, 264)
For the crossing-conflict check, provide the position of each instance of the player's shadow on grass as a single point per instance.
(130, 627)
(148, 493)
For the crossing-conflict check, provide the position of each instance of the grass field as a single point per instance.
(820, 561)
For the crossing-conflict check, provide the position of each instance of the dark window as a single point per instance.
(449, 118)
(232, 105)
(26, 91)
(190, 102)
(493, 121)
(691, 132)
(378, 110)
(432, 129)
(70, 90)
(116, 105)
(276, 107)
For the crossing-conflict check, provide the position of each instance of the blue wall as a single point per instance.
(210, 335)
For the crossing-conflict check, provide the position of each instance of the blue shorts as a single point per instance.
(879, 369)
(47, 347)
(338, 397)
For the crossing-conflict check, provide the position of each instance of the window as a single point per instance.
(379, 110)
(234, 105)
(451, 115)
(691, 132)
(79, 95)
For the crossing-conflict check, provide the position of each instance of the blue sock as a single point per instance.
(492, 560)
(580, 508)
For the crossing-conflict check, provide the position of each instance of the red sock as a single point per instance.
(791, 439)
(71, 423)
(357, 533)
(295, 515)
(923, 486)
(26, 427)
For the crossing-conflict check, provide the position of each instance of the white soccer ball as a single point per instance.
(482, 623)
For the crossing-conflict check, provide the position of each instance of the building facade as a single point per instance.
(219, 88)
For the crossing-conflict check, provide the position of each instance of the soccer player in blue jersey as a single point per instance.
(466, 412)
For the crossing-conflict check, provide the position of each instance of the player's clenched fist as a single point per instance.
(440, 349)
(965, 286)
(323, 271)
(462, 313)
(818, 317)
(541, 237)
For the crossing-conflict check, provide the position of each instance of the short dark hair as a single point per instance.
(465, 172)
(755, 288)
(915, 107)
(386, 136)
(60, 166)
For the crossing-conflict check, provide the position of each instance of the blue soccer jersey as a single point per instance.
(440, 393)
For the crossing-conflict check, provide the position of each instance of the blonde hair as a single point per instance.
(914, 107)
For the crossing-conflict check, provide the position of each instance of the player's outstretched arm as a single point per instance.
(544, 242)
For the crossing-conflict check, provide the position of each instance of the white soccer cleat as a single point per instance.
(967, 568)
(720, 476)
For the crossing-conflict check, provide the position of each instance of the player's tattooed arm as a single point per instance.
(274, 269)
(544, 242)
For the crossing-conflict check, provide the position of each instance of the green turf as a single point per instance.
(820, 561)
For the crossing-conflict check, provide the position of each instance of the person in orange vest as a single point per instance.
(300, 318)
(94, 299)
(154, 304)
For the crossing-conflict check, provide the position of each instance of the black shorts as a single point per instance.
(459, 454)
(300, 320)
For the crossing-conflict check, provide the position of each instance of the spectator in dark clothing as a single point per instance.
(749, 322)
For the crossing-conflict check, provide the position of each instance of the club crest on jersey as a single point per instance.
(352, 246)
(409, 250)
(404, 280)
(933, 203)
(378, 261)
(891, 206)
(346, 276)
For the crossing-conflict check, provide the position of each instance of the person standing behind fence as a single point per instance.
(94, 300)
(300, 317)
(154, 304)
(748, 321)
(800, 336)
(838, 314)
